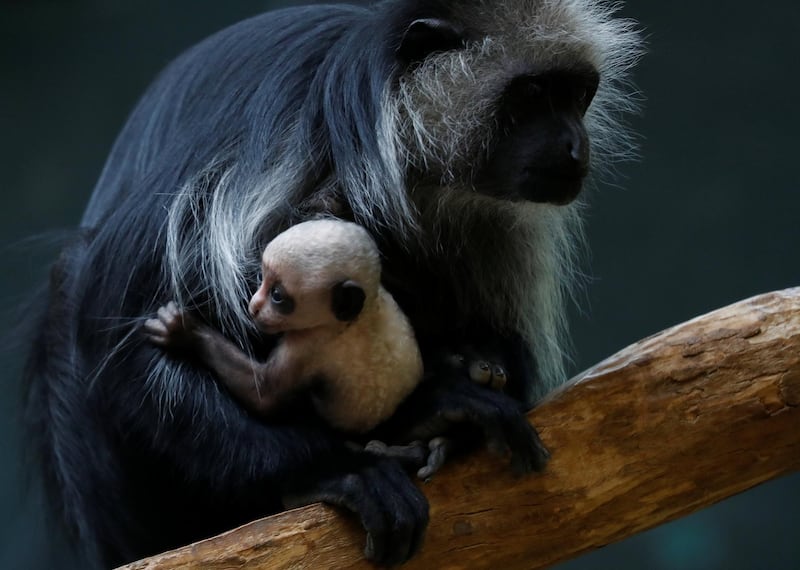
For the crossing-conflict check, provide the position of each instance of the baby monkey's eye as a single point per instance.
(282, 302)
(276, 294)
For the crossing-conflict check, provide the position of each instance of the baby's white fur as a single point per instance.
(369, 365)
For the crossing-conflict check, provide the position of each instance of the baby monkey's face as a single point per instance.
(287, 300)
(314, 275)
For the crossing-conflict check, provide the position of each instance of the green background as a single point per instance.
(709, 215)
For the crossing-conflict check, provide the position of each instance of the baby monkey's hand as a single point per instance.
(172, 328)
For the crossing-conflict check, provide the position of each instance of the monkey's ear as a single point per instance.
(347, 300)
(426, 36)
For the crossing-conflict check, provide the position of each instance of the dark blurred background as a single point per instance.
(708, 216)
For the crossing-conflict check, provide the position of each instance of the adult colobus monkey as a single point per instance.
(456, 131)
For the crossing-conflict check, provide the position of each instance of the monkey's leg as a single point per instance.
(414, 455)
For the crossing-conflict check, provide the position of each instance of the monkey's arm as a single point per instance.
(260, 387)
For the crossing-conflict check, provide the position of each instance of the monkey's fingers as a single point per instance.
(169, 313)
(155, 326)
(528, 452)
(480, 372)
(488, 374)
(411, 456)
(175, 320)
(156, 332)
(513, 435)
(499, 377)
(391, 508)
(454, 360)
(505, 427)
(480, 368)
(439, 448)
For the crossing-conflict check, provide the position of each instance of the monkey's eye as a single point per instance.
(533, 89)
(282, 302)
(276, 295)
(586, 90)
(583, 96)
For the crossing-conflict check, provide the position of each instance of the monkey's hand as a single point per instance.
(391, 508)
(489, 371)
(172, 328)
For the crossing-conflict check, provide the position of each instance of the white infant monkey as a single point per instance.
(343, 338)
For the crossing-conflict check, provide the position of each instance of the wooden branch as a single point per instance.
(669, 425)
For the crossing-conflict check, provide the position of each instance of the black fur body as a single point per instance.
(262, 125)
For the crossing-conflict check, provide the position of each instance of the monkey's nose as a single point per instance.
(574, 149)
(577, 150)
(256, 303)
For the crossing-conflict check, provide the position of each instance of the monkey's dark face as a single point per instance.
(501, 97)
(542, 150)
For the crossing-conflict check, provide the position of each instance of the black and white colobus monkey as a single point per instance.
(456, 131)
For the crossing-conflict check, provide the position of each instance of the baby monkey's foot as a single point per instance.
(412, 455)
(427, 459)
(439, 449)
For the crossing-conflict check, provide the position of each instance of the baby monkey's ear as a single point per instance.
(347, 300)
